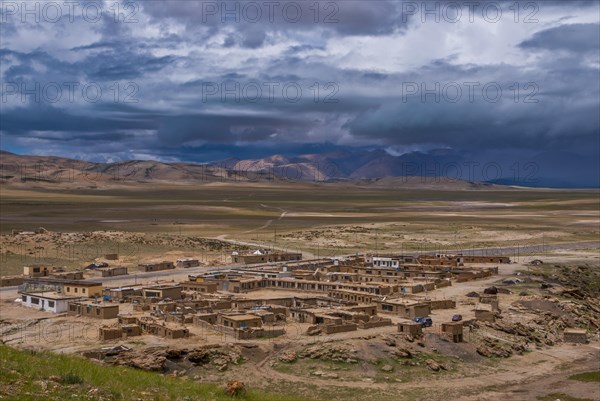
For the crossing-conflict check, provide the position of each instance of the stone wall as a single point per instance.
(443, 304)
(339, 328)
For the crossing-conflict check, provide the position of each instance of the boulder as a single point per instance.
(433, 365)
(387, 368)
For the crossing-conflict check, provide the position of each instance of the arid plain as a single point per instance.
(520, 357)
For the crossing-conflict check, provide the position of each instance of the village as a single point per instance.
(371, 322)
(274, 294)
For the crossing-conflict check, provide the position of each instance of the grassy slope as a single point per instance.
(26, 376)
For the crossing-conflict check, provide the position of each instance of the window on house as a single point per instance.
(35, 301)
(24, 298)
(83, 290)
(76, 289)
(50, 304)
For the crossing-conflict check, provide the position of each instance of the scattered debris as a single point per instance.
(288, 357)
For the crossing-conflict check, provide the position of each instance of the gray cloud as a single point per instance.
(572, 37)
(363, 61)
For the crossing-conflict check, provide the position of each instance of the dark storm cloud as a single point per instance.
(340, 17)
(109, 61)
(222, 128)
(111, 65)
(561, 107)
(351, 44)
(43, 118)
(573, 37)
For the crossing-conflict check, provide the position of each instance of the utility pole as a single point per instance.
(543, 244)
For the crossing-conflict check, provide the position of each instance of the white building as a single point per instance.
(385, 262)
(393, 261)
(188, 262)
(48, 301)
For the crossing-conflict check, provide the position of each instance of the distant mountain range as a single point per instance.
(543, 169)
(437, 166)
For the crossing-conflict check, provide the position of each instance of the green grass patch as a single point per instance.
(593, 376)
(561, 397)
(27, 375)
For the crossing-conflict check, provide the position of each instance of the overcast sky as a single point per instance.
(186, 80)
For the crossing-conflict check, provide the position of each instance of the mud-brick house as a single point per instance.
(164, 330)
(153, 267)
(410, 328)
(163, 291)
(264, 256)
(93, 310)
(408, 309)
(113, 271)
(353, 296)
(484, 313)
(72, 275)
(454, 331)
(122, 292)
(82, 288)
(110, 333)
(241, 321)
(37, 270)
(131, 330)
(205, 287)
(484, 259)
(207, 317)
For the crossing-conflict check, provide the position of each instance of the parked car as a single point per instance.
(456, 318)
(94, 266)
(424, 321)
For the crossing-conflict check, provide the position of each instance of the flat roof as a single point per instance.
(241, 317)
(350, 284)
(78, 283)
(354, 292)
(404, 302)
(161, 287)
(51, 295)
(101, 305)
